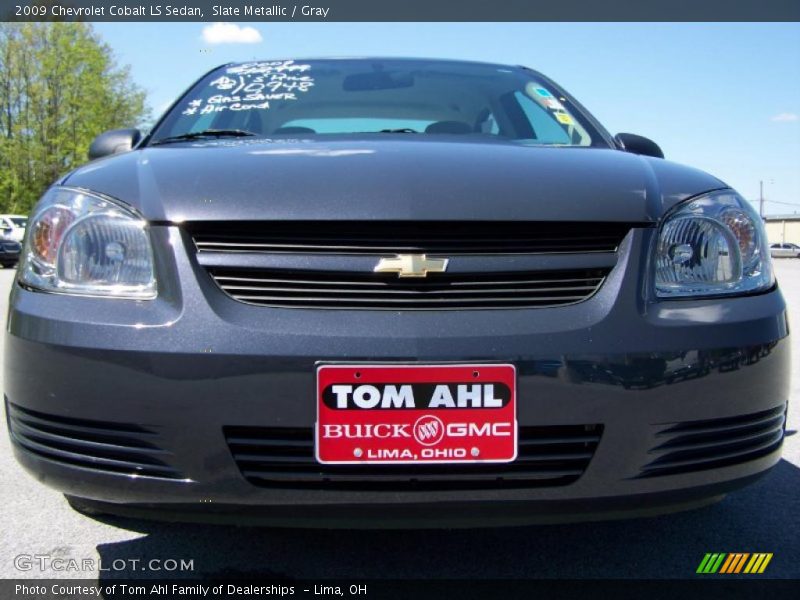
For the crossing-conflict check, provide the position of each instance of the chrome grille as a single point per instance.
(329, 265)
(315, 289)
(284, 457)
(381, 237)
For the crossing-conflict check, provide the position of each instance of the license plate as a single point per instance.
(379, 414)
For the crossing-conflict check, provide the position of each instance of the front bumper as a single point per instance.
(172, 374)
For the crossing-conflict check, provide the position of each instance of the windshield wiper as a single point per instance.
(206, 133)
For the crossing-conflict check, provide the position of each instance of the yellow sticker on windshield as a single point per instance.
(564, 118)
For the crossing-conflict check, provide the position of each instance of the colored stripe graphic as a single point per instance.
(758, 563)
(729, 562)
(734, 562)
(703, 563)
(765, 563)
(711, 562)
(741, 562)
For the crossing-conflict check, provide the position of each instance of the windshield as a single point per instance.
(19, 222)
(309, 98)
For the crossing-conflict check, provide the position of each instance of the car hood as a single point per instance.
(390, 178)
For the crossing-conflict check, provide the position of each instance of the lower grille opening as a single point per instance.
(283, 457)
(714, 443)
(103, 446)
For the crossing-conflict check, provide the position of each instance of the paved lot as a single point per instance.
(763, 517)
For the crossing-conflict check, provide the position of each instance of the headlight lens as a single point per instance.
(712, 245)
(82, 243)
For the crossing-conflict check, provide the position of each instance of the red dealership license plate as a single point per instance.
(416, 414)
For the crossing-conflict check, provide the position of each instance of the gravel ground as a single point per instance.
(763, 517)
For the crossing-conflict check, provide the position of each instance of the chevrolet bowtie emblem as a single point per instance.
(411, 265)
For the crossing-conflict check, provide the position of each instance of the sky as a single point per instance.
(722, 97)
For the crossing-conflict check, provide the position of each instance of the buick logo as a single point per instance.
(429, 430)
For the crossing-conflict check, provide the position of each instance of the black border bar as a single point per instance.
(405, 10)
(707, 588)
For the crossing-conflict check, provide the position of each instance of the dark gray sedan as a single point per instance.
(392, 292)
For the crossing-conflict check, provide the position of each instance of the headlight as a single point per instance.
(82, 243)
(712, 245)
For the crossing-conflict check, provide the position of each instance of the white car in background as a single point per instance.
(16, 224)
(784, 251)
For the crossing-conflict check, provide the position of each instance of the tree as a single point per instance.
(60, 86)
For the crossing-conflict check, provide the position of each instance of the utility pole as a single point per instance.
(761, 198)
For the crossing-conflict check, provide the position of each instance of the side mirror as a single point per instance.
(113, 142)
(638, 144)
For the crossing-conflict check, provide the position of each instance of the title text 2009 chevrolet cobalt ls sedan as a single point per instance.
(392, 292)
